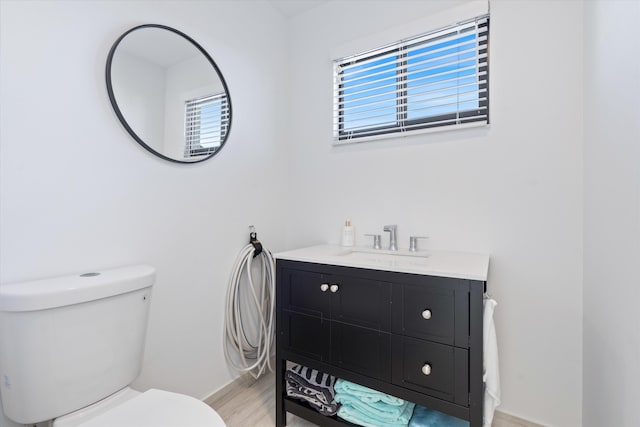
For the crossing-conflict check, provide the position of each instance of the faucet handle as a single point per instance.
(413, 242)
(376, 240)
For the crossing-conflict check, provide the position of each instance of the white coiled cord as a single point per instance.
(255, 357)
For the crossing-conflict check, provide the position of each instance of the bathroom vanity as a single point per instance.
(409, 325)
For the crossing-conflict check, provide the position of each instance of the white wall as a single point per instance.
(77, 192)
(611, 214)
(512, 190)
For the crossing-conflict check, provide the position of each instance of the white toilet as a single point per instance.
(70, 346)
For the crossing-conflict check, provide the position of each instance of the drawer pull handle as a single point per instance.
(426, 314)
(324, 287)
(334, 288)
(426, 369)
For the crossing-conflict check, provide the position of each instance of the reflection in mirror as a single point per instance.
(168, 93)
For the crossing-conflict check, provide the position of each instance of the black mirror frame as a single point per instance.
(114, 103)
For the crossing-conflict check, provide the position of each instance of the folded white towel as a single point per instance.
(491, 374)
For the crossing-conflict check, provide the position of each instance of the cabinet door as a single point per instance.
(365, 351)
(303, 292)
(435, 369)
(361, 302)
(306, 335)
(436, 309)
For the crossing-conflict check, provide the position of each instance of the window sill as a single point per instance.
(409, 133)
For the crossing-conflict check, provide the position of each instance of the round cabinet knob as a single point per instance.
(426, 369)
(324, 287)
(426, 314)
(334, 288)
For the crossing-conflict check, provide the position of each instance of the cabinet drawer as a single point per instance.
(436, 310)
(435, 369)
(306, 335)
(365, 351)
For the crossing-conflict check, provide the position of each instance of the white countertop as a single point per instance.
(460, 265)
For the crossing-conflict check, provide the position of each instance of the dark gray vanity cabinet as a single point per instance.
(413, 336)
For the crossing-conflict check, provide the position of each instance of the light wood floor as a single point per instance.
(249, 403)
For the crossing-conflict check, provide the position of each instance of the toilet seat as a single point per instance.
(155, 408)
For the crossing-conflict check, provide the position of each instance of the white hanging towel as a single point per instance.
(491, 374)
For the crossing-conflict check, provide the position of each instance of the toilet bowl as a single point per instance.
(71, 346)
(153, 408)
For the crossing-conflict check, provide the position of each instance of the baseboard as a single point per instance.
(502, 419)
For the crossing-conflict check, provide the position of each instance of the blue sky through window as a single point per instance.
(442, 80)
(205, 125)
(211, 124)
(432, 80)
(369, 93)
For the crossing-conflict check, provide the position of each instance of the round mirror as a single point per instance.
(168, 93)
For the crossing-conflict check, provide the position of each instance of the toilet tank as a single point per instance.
(68, 342)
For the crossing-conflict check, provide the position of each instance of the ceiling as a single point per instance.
(290, 8)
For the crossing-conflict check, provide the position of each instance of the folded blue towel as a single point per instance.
(356, 416)
(425, 417)
(365, 394)
(379, 410)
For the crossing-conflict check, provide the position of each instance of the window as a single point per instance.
(440, 79)
(206, 123)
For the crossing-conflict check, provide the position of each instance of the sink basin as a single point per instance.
(398, 253)
(387, 258)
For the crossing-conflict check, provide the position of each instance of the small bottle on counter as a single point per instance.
(348, 234)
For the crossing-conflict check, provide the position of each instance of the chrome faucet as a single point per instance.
(393, 240)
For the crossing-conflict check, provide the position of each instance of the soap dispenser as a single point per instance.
(348, 234)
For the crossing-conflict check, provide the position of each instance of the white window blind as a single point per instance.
(206, 124)
(439, 79)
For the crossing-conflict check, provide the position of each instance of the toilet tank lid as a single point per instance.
(74, 289)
